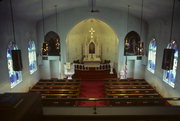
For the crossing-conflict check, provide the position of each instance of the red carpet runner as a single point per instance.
(92, 85)
(92, 89)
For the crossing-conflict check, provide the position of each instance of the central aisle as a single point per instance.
(92, 89)
(92, 85)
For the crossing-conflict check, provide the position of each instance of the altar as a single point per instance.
(92, 50)
(92, 62)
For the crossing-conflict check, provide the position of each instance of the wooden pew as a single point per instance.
(130, 91)
(56, 86)
(123, 80)
(59, 102)
(128, 86)
(132, 95)
(126, 83)
(56, 96)
(128, 102)
(56, 91)
(58, 83)
(131, 88)
(59, 80)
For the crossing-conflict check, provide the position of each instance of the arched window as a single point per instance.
(15, 77)
(152, 56)
(169, 76)
(32, 57)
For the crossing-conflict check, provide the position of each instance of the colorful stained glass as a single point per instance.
(169, 76)
(152, 56)
(32, 57)
(15, 77)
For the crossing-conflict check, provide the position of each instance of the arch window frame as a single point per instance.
(152, 56)
(15, 77)
(32, 57)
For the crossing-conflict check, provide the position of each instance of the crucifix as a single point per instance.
(91, 32)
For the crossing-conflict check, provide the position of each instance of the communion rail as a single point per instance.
(83, 67)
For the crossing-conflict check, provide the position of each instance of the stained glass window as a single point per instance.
(152, 56)
(32, 57)
(169, 76)
(15, 77)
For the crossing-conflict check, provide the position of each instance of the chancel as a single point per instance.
(89, 60)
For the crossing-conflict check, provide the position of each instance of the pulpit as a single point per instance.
(69, 70)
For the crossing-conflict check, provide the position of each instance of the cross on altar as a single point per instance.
(92, 32)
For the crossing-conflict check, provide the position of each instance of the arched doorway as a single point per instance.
(92, 34)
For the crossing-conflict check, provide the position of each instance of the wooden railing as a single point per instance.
(101, 67)
(81, 67)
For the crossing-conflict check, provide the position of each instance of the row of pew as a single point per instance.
(54, 89)
(132, 92)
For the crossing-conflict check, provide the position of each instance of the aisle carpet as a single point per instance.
(92, 89)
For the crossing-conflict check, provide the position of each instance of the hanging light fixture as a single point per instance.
(16, 53)
(140, 46)
(126, 43)
(168, 55)
(126, 47)
(12, 20)
(45, 44)
(57, 40)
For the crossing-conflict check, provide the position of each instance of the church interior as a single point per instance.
(113, 60)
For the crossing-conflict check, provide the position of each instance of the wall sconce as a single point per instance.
(45, 48)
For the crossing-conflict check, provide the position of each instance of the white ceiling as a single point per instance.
(32, 10)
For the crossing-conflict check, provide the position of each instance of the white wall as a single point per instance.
(160, 30)
(69, 18)
(24, 31)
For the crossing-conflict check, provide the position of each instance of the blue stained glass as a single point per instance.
(152, 56)
(32, 57)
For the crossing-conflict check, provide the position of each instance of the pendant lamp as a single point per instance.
(141, 43)
(168, 55)
(45, 44)
(16, 54)
(57, 40)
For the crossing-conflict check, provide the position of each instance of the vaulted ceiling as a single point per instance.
(32, 10)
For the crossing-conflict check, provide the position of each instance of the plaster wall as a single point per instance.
(160, 30)
(24, 31)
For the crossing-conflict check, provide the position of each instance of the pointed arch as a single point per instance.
(131, 43)
(15, 77)
(52, 40)
(91, 48)
(152, 56)
(169, 76)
